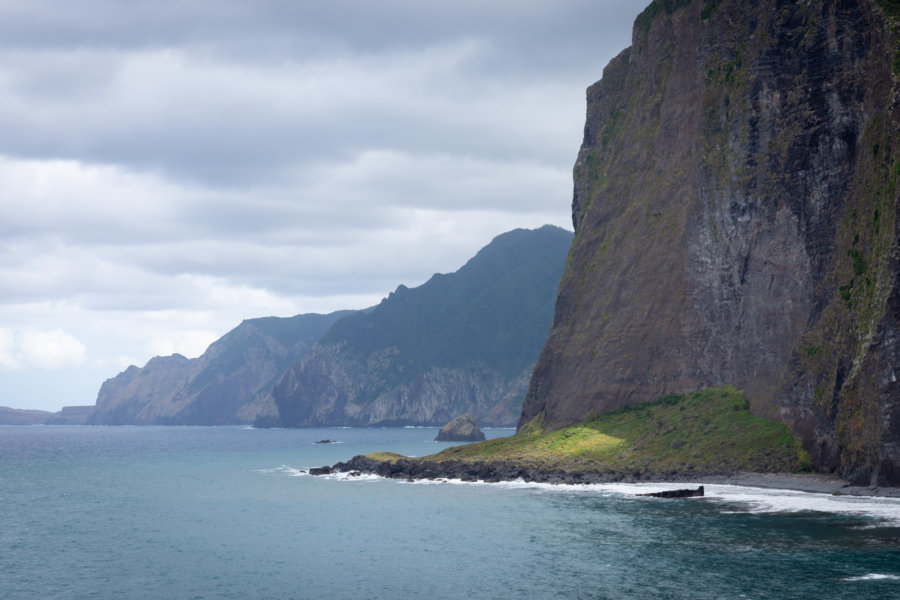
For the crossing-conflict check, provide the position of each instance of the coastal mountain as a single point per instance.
(735, 208)
(68, 415)
(461, 342)
(226, 385)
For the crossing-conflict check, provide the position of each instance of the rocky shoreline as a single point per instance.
(498, 471)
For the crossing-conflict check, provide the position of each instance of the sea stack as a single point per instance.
(460, 429)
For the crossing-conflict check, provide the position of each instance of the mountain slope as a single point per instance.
(461, 342)
(226, 385)
(735, 211)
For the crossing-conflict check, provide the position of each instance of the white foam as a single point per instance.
(284, 469)
(349, 477)
(873, 577)
(759, 500)
(743, 499)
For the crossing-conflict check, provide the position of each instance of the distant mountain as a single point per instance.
(462, 342)
(69, 415)
(226, 385)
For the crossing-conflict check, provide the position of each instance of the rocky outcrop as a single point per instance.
(460, 429)
(461, 342)
(224, 386)
(735, 210)
(683, 493)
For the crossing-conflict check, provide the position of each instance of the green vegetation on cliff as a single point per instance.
(710, 431)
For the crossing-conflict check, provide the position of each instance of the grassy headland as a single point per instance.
(710, 431)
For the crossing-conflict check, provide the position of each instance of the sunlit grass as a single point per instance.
(707, 431)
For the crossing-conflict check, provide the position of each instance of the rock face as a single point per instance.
(735, 210)
(460, 429)
(462, 342)
(224, 386)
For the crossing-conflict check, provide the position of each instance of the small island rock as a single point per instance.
(460, 429)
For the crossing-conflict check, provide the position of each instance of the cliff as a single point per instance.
(735, 206)
(461, 342)
(226, 385)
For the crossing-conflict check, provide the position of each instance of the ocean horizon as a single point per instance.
(229, 512)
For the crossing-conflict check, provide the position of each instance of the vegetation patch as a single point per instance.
(710, 431)
(709, 7)
(384, 456)
(656, 8)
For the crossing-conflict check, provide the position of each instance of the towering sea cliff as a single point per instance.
(461, 342)
(735, 211)
(226, 385)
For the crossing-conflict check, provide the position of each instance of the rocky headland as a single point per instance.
(706, 437)
(735, 210)
(226, 385)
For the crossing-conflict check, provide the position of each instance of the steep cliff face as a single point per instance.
(462, 342)
(735, 212)
(226, 385)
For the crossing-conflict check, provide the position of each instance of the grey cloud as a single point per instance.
(162, 86)
(170, 168)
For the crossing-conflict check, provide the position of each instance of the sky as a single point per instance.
(169, 168)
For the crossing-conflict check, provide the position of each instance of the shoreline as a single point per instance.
(413, 469)
(813, 483)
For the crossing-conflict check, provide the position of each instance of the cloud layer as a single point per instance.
(170, 168)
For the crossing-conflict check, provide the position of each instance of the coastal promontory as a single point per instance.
(735, 205)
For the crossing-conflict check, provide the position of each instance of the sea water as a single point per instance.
(228, 512)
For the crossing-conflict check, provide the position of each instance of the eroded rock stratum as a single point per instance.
(735, 210)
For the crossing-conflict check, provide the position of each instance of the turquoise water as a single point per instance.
(223, 512)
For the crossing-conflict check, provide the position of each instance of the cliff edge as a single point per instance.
(735, 207)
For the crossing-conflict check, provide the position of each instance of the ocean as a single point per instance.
(226, 512)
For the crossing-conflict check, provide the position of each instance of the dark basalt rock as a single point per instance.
(326, 470)
(461, 429)
(677, 493)
(492, 472)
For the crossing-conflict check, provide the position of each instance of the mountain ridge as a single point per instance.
(461, 342)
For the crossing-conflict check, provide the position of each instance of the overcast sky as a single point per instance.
(169, 168)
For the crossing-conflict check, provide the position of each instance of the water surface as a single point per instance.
(225, 512)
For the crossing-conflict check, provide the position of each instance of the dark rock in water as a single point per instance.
(326, 442)
(460, 429)
(320, 470)
(677, 493)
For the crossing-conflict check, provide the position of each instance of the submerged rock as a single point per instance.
(460, 429)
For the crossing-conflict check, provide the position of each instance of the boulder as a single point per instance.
(460, 429)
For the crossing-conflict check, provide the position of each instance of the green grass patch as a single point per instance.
(384, 456)
(710, 431)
